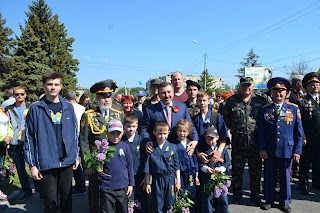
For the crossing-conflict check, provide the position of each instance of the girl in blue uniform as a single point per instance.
(188, 163)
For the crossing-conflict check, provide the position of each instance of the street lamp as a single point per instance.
(205, 63)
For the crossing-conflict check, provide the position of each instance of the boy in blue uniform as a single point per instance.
(163, 165)
(117, 177)
(188, 163)
(280, 140)
(208, 118)
(220, 204)
(137, 148)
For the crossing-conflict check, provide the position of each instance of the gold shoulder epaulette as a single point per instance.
(118, 111)
(266, 105)
(289, 103)
(91, 110)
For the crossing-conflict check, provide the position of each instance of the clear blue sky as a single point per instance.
(129, 41)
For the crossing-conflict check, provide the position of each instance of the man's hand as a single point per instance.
(88, 171)
(191, 147)
(7, 141)
(35, 173)
(75, 166)
(217, 170)
(143, 183)
(203, 157)
(148, 189)
(215, 157)
(149, 147)
(129, 191)
(263, 155)
(197, 181)
(296, 157)
(304, 142)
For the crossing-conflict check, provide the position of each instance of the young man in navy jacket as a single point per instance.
(51, 144)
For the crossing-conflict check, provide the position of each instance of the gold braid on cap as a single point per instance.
(94, 129)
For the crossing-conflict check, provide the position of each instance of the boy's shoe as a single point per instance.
(24, 197)
(3, 197)
(256, 200)
(266, 206)
(286, 209)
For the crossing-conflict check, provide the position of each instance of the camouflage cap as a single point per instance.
(156, 81)
(246, 80)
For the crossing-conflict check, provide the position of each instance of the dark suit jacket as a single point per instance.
(155, 113)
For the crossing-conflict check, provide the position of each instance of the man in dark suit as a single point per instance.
(310, 115)
(280, 140)
(169, 111)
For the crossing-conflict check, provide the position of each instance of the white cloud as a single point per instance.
(87, 57)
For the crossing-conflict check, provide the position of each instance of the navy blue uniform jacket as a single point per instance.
(224, 155)
(187, 162)
(281, 136)
(155, 113)
(162, 162)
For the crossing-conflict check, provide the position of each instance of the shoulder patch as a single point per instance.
(289, 103)
(89, 111)
(266, 105)
(118, 111)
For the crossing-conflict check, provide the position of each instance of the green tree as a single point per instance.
(250, 61)
(7, 45)
(209, 80)
(54, 42)
(29, 65)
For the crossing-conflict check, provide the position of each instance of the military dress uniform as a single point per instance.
(93, 126)
(310, 115)
(242, 118)
(280, 135)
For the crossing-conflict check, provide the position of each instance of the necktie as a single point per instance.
(317, 100)
(106, 116)
(278, 109)
(168, 115)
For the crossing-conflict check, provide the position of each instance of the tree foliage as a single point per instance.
(299, 68)
(54, 42)
(209, 80)
(250, 61)
(7, 45)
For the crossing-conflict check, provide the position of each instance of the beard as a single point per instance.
(105, 106)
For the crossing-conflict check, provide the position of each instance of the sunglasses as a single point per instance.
(17, 94)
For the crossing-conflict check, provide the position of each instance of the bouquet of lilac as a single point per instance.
(183, 204)
(7, 168)
(132, 205)
(218, 184)
(97, 158)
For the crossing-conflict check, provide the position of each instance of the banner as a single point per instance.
(260, 75)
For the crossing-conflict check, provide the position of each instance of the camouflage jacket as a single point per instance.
(243, 118)
(193, 109)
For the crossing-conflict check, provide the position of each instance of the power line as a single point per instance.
(270, 28)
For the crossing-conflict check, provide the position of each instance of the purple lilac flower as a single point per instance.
(104, 146)
(101, 157)
(11, 169)
(4, 172)
(170, 210)
(97, 143)
(185, 210)
(228, 183)
(180, 201)
(130, 209)
(217, 192)
(138, 204)
(225, 190)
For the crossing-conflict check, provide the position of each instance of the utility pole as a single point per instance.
(205, 64)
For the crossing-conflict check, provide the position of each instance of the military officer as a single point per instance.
(280, 140)
(310, 115)
(241, 114)
(93, 127)
(193, 88)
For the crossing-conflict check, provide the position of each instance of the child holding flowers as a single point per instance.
(219, 197)
(116, 175)
(138, 154)
(188, 163)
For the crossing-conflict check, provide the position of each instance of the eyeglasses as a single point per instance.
(17, 94)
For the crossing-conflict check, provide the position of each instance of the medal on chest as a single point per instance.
(309, 108)
(288, 117)
(270, 114)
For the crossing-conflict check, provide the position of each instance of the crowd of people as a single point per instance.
(167, 143)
